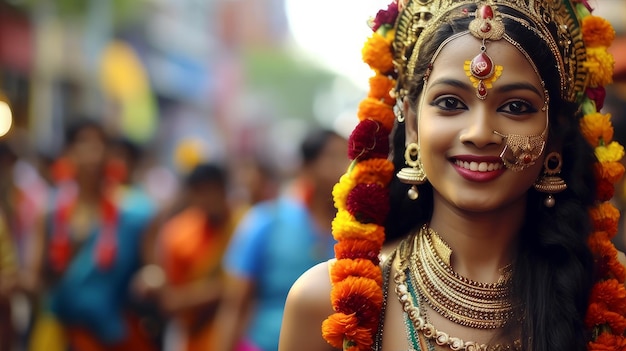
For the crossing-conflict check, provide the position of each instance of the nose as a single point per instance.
(480, 130)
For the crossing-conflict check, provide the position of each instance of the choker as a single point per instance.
(460, 300)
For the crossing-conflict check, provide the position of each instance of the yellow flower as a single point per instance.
(344, 226)
(597, 128)
(610, 153)
(377, 53)
(341, 190)
(600, 65)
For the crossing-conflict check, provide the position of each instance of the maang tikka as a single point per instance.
(414, 174)
(481, 70)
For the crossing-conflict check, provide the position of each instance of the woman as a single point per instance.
(493, 208)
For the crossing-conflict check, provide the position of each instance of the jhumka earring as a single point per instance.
(549, 182)
(414, 174)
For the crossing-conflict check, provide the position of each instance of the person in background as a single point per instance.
(85, 253)
(186, 276)
(275, 242)
(8, 279)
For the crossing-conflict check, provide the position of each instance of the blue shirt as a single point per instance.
(273, 245)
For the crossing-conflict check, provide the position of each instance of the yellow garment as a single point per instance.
(8, 259)
(47, 335)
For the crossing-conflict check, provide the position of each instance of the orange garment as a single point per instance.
(190, 250)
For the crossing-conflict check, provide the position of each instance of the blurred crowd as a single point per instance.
(92, 257)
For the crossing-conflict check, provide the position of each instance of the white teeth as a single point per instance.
(478, 166)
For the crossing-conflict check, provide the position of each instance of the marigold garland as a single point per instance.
(356, 275)
(607, 304)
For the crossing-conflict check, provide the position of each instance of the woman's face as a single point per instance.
(455, 129)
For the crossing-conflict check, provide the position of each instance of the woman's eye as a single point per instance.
(517, 107)
(449, 103)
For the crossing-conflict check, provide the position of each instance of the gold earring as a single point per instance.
(414, 174)
(550, 182)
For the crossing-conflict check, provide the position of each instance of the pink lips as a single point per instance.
(478, 168)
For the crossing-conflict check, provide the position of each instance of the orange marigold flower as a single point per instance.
(605, 218)
(608, 342)
(597, 128)
(380, 88)
(600, 64)
(376, 170)
(343, 269)
(597, 31)
(356, 248)
(360, 339)
(336, 326)
(341, 190)
(610, 171)
(344, 226)
(377, 110)
(611, 293)
(358, 295)
(377, 53)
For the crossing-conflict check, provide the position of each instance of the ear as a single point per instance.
(410, 122)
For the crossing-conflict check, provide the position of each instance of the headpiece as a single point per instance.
(578, 42)
(553, 22)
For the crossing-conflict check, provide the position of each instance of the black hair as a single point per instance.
(207, 173)
(133, 150)
(554, 266)
(314, 142)
(76, 125)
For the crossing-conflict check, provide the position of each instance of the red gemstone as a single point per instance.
(485, 12)
(486, 27)
(481, 90)
(527, 159)
(481, 66)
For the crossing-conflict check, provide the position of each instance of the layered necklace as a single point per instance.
(424, 276)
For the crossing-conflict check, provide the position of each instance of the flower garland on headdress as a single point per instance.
(361, 197)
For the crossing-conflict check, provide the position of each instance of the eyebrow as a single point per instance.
(499, 89)
(518, 86)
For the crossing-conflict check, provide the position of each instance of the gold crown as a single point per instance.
(553, 21)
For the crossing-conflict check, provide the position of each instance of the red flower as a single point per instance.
(605, 190)
(368, 203)
(368, 140)
(387, 16)
(597, 94)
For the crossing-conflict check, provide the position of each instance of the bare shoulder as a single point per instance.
(313, 287)
(308, 305)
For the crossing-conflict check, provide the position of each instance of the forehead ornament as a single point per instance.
(481, 70)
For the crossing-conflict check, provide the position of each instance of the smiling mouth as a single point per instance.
(478, 166)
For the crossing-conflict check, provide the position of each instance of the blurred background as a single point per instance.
(231, 75)
(176, 84)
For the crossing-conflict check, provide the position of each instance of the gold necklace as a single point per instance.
(461, 300)
(420, 321)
